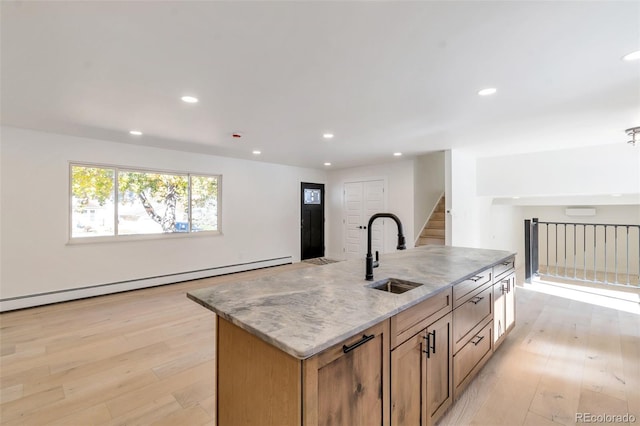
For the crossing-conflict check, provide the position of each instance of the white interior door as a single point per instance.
(361, 201)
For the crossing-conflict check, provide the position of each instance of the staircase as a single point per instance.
(433, 232)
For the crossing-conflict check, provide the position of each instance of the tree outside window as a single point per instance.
(148, 202)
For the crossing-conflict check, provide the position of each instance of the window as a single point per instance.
(312, 196)
(145, 202)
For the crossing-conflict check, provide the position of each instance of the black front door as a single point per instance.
(312, 220)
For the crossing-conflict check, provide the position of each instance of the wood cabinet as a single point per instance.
(471, 357)
(472, 328)
(258, 384)
(421, 383)
(504, 296)
(347, 384)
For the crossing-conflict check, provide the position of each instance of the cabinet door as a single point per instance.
(421, 381)
(499, 296)
(510, 303)
(408, 384)
(504, 292)
(439, 380)
(348, 383)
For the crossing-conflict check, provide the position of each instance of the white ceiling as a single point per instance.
(382, 76)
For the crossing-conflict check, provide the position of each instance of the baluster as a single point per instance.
(595, 252)
(547, 226)
(584, 251)
(615, 255)
(628, 277)
(565, 249)
(574, 251)
(605, 254)
(556, 226)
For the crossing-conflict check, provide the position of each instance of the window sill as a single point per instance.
(140, 237)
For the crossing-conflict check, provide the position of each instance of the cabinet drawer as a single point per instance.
(471, 315)
(463, 290)
(504, 267)
(471, 357)
(409, 322)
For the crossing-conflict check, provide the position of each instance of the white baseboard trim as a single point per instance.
(32, 300)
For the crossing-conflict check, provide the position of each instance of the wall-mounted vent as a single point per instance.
(580, 211)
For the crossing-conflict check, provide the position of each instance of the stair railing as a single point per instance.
(591, 252)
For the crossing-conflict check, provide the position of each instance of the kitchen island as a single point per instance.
(322, 346)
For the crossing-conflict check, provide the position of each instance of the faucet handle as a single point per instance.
(377, 261)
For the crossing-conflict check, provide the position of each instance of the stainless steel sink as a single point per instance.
(394, 285)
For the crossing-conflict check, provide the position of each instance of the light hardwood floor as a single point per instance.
(147, 358)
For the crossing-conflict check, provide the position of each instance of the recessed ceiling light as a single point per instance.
(328, 135)
(633, 56)
(516, 197)
(397, 154)
(135, 132)
(488, 91)
(256, 152)
(327, 164)
(189, 99)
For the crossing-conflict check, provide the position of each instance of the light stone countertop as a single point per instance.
(305, 311)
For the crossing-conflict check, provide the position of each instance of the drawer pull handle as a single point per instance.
(360, 342)
(506, 263)
(476, 299)
(477, 341)
(476, 278)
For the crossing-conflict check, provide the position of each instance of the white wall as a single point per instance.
(545, 183)
(260, 215)
(465, 217)
(593, 170)
(429, 185)
(613, 214)
(477, 221)
(399, 195)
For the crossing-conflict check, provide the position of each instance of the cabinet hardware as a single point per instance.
(506, 263)
(477, 341)
(476, 278)
(360, 342)
(427, 337)
(431, 343)
(476, 299)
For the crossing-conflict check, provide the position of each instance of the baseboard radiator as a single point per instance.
(39, 299)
